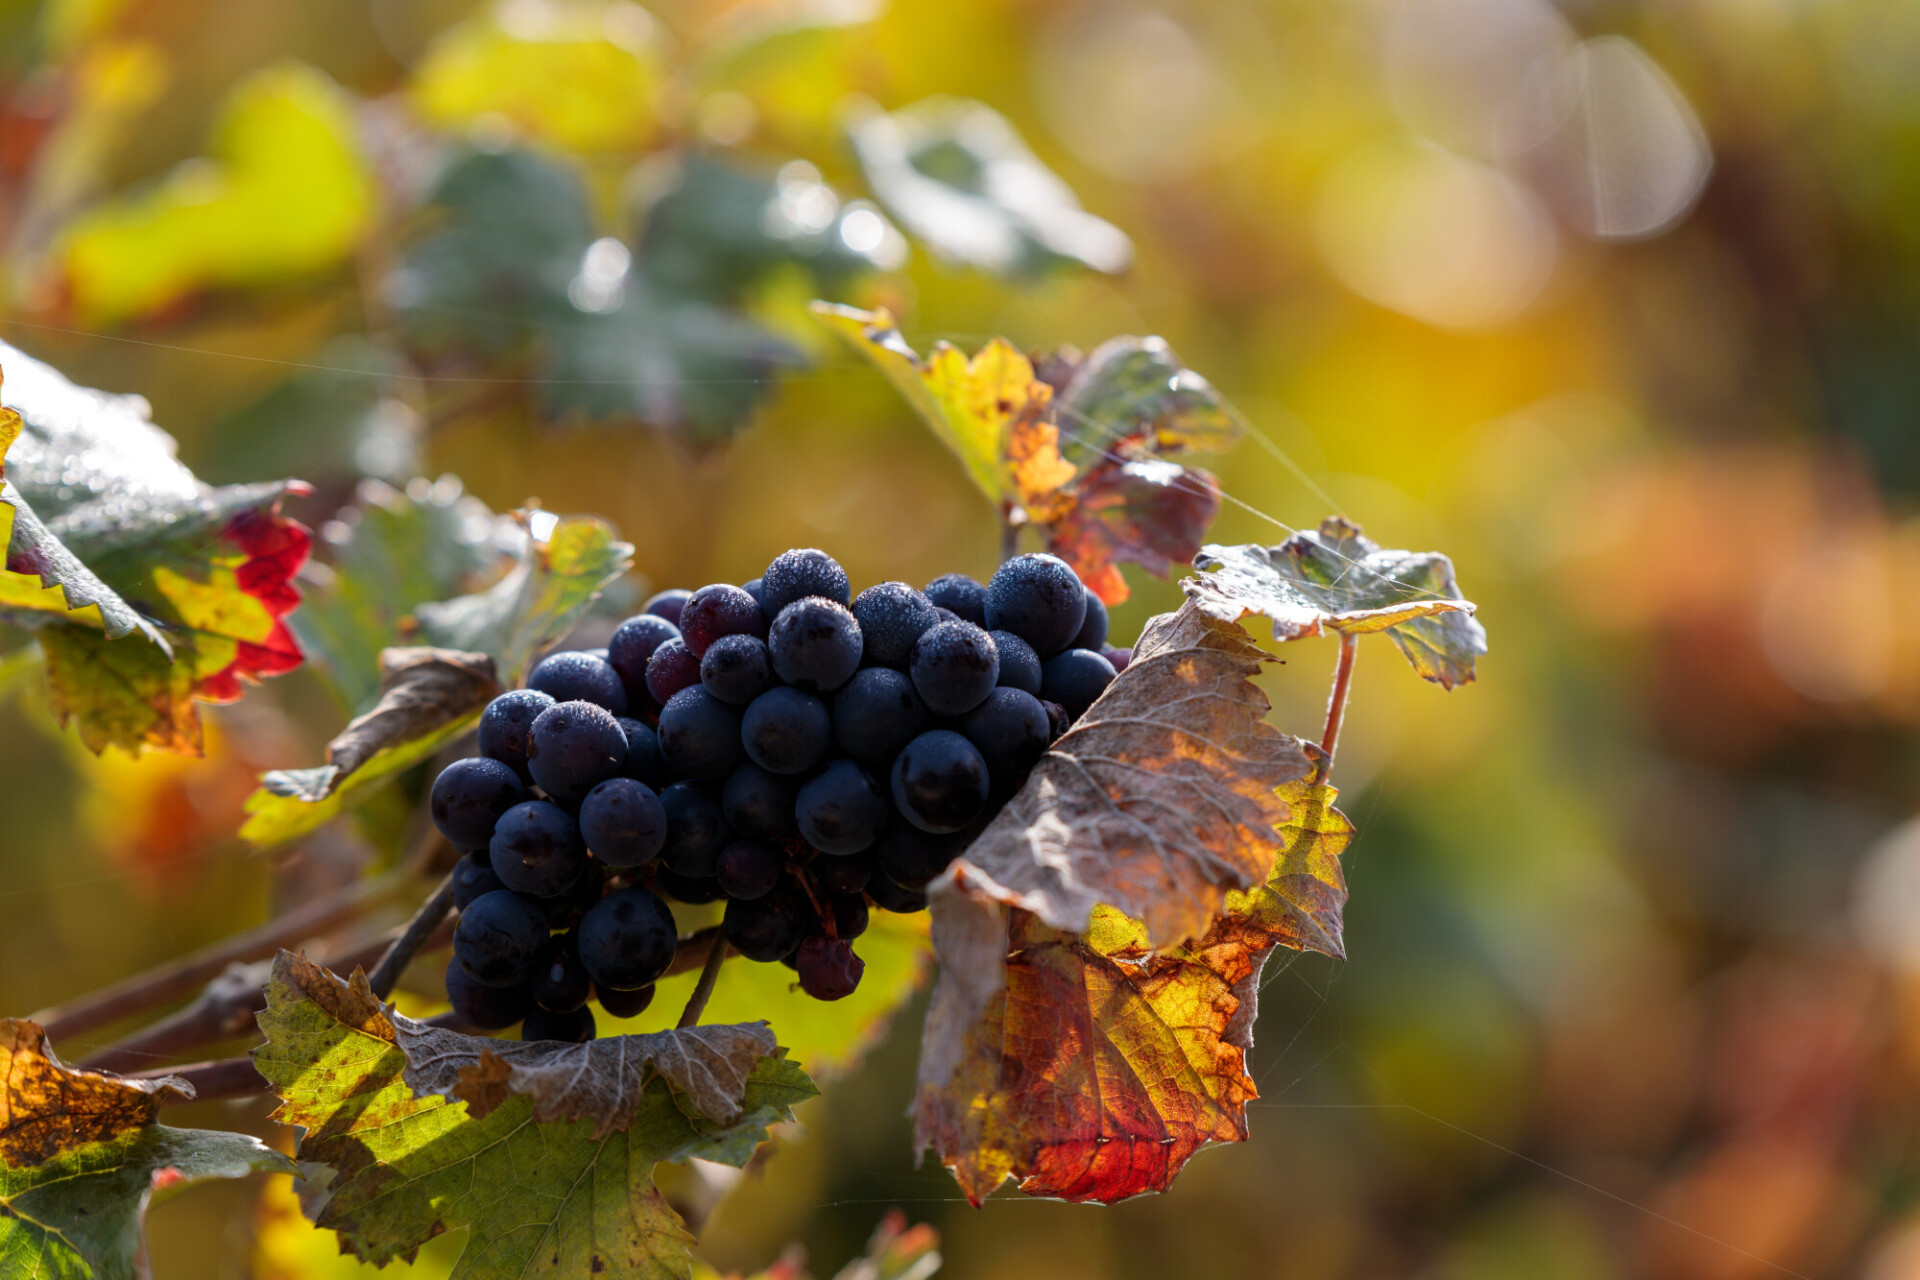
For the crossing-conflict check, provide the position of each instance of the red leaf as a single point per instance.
(1143, 511)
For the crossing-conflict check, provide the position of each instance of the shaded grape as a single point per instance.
(573, 1027)
(842, 808)
(939, 782)
(504, 726)
(560, 983)
(578, 676)
(910, 857)
(537, 850)
(815, 644)
(473, 876)
(828, 968)
(1019, 664)
(718, 610)
(627, 940)
(954, 667)
(644, 762)
(758, 803)
(468, 798)
(876, 714)
(623, 822)
(696, 829)
(481, 1006)
(892, 615)
(632, 643)
(786, 730)
(1093, 631)
(700, 735)
(667, 604)
(737, 669)
(626, 1004)
(750, 869)
(1075, 678)
(574, 747)
(671, 669)
(1011, 732)
(498, 938)
(764, 929)
(964, 597)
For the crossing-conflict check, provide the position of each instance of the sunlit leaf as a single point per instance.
(1336, 578)
(283, 193)
(1137, 388)
(81, 1155)
(1134, 510)
(957, 175)
(558, 1198)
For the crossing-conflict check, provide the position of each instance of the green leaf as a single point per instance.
(332, 424)
(957, 175)
(1336, 578)
(565, 564)
(560, 1198)
(1137, 388)
(81, 1156)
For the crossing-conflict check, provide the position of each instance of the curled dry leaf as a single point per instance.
(1336, 578)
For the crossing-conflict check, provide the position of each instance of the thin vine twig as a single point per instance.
(709, 973)
(426, 921)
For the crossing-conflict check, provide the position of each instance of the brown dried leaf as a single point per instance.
(46, 1107)
(420, 690)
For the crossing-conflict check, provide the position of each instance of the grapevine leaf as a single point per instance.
(1102, 1065)
(1137, 388)
(957, 175)
(565, 565)
(81, 1155)
(427, 698)
(991, 410)
(1160, 799)
(1140, 510)
(554, 1198)
(1337, 578)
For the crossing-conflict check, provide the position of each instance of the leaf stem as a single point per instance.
(211, 1081)
(426, 921)
(1337, 700)
(703, 989)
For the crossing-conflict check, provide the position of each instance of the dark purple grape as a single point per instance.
(575, 676)
(1058, 721)
(1010, 730)
(910, 857)
(750, 869)
(876, 714)
(671, 669)
(964, 597)
(954, 668)
(1093, 631)
(849, 911)
(1118, 658)
(537, 850)
(560, 982)
(623, 822)
(692, 890)
(845, 874)
(483, 1007)
(574, 1027)
(764, 929)
(498, 938)
(1075, 678)
(644, 762)
(737, 669)
(842, 808)
(889, 896)
(700, 735)
(626, 1004)
(632, 644)
(504, 726)
(468, 798)
(795, 575)
(1039, 598)
(573, 748)
(565, 909)
(757, 588)
(719, 609)
(696, 829)
(939, 781)
(828, 968)
(627, 940)
(892, 615)
(786, 730)
(667, 604)
(815, 644)
(1019, 664)
(759, 803)
(473, 876)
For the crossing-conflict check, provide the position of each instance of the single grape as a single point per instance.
(671, 669)
(565, 909)
(560, 982)
(696, 829)
(720, 609)
(892, 615)
(574, 676)
(786, 730)
(737, 669)
(700, 735)
(954, 668)
(795, 575)
(633, 642)
(644, 762)
(845, 874)
(667, 604)
(537, 849)
(473, 876)
(627, 940)
(498, 938)
(889, 896)
(468, 798)
(483, 1007)
(1118, 658)
(623, 822)
(504, 726)
(626, 1004)
(692, 890)
(757, 588)
(574, 1027)
(910, 857)
(827, 967)
(842, 808)
(1039, 598)
(876, 714)
(574, 747)
(1010, 730)
(815, 644)
(849, 911)
(764, 929)
(939, 781)
(1075, 678)
(1093, 632)
(1019, 664)
(759, 803)
(750, 869)
(963, 596)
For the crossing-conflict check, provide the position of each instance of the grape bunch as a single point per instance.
(795, 750)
